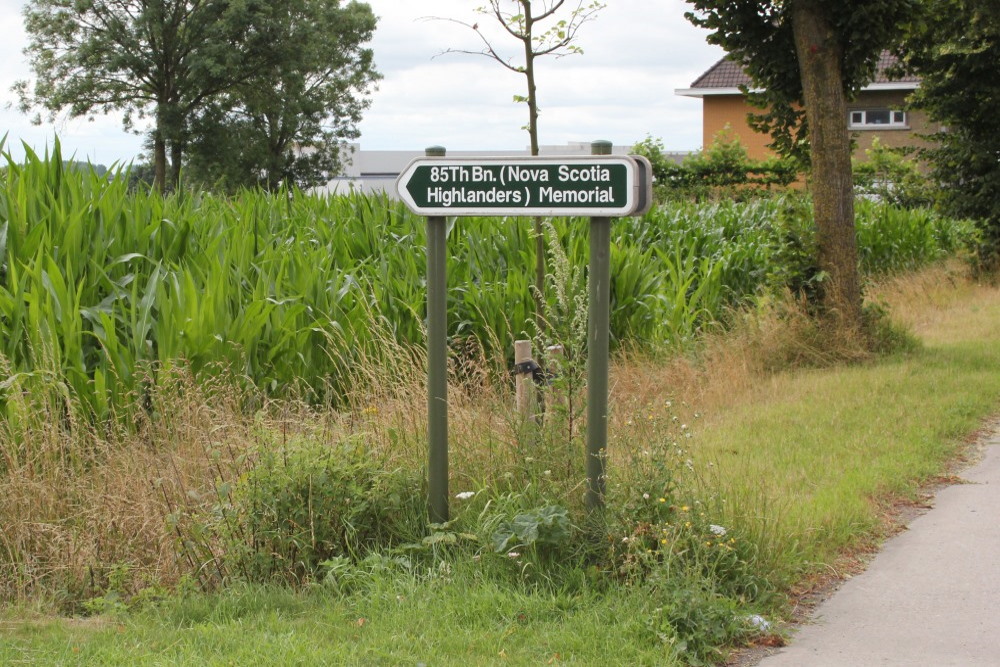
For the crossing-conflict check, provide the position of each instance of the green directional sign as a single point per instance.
(607, 186)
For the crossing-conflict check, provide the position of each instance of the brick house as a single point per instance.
(878, 111)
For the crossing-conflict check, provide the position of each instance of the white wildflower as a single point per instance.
(717, 530)
(465, 495)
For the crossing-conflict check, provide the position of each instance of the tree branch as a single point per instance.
(489, 51)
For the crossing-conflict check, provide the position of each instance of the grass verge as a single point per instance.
(797, 467)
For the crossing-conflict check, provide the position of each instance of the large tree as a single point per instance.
(162, 59)
(288, 122)
(955, 47)
(807, 57)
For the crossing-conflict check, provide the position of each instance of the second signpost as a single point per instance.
(601, 186)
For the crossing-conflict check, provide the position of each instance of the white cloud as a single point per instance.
(622, 88)
(636, 52)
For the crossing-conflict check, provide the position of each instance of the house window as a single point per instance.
(871, 119)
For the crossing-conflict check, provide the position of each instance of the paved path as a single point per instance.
(930, 598)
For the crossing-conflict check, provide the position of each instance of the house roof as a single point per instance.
(726, 76)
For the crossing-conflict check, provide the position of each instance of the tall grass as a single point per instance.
(103, 289)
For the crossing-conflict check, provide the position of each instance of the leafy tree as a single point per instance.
(287, 123)
(163, 59)
(808, 57)
(540, 28)
(955, 47)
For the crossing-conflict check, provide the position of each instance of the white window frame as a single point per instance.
(898, 119)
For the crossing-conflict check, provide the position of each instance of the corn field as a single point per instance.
(102, 288)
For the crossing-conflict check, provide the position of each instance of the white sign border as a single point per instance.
(632, 186)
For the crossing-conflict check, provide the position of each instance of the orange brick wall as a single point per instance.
(721, 111)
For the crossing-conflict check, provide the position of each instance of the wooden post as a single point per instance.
(524, 383)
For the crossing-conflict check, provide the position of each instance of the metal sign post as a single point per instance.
(437, 363)
(600, 186)
(598, 337)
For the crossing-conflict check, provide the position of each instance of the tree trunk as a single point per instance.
(176, 158)
(159, 162)
(819, 55)
(529, 73)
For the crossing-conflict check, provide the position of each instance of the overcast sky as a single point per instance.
(636, 53)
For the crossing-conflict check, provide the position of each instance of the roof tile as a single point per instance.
(729, 74)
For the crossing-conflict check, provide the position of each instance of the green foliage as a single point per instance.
(541, 530)
(893, 239)
(954, 46)
(306, 506)
(888, 175)
(759, 34)
(806, 58)
(543, 29)
(722, 171)
(104, 290)
(286, 124)
(698, 573)
(652, 149)
(794, 499)
(886, 336)
(563, 337)
(695, 623)
(795, 266)
(161, 59)
(298, 64)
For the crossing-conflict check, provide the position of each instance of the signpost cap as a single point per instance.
(435, 151)
(601, 147)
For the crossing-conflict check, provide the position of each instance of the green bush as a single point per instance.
(695, 621)
(723, 170)
(887, 175)
(543, 530)
(305, 504)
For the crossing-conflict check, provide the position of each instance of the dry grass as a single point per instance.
(70, 519)
(928, 302)
(79, 507)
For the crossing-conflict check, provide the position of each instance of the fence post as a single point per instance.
(524, 381)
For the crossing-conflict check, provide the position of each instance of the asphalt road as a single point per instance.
(930, 598)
